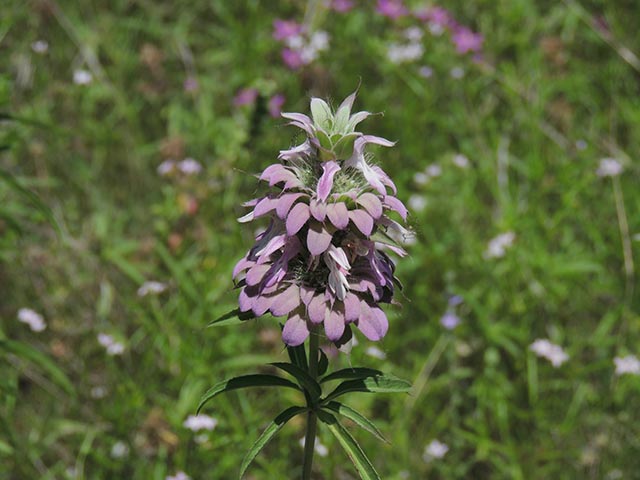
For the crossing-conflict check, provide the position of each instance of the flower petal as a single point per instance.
(373, 322)
(325, 184)
(371, 204)
(295, 331)
(351, 308)
(286, 301)
(318, 238)
(394, 204)
(264, 206)
(297, 217)
(285, 202)
(334, 324)
(256, 274)
(338, 215)
(316, 308)
(362, 220)
(318, 210)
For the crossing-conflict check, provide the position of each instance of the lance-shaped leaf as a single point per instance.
(234, 317)
(354, 451)
(323, 363)
(273, 428)
(351, 374)
(357, 418)
(298, 355)
(245, 381)
(377, 384)
(304, 379)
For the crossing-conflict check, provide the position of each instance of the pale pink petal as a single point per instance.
(285, 202)
(318, 239)
(396, 205)
(264, 206)
(371, 204)
(295, 331)
(316, 308)
(325, 184)
(333, 324)
(338, 215)
(372, 322)
(362, 220)
(256, 274)
(297, 217)
(351, 308)
(318, 210)
(245, 302)
(286, 301)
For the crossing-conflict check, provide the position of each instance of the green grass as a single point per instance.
(85, 220)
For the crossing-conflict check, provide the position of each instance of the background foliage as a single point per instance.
(85, 220)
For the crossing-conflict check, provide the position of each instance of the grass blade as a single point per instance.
(273, 428)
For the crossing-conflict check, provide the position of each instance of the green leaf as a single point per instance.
(304, 379)
(234, 317)
(273, 428)
(321, 114)
(360, 461)
(357, 418)
(245, 381)
(28, 353)
(323, 363)
(377, 384)
(298, 355)
(351, 374)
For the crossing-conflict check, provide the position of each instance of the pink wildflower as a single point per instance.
(284, 29)
(245, 96)
(466, 40)
(392, 9)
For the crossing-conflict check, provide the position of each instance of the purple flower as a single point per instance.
(284, 29)
(190, 84)
(341, 6)
(450, 320)
(245, 96)
(275, 105)
(317, 262)
(292, 58)
(392, 9)
(466, 40)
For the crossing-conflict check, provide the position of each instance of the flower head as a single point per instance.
(627, 365)
(466, 40)
(609, 167)
(33, 319)
(435, 449)
(199, 422)
(392, 9)
(545, 349)
(324, 259)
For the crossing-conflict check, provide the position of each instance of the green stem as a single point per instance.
(312, 419)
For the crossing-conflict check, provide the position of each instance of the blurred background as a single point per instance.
(130, 132)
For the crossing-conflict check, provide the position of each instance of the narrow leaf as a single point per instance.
(351, 374)
(360, 461)
(245, 381)
(297, 355)
(323, 363)
(234, 317)
(378, 384)
(304, 379)
(357, 418)
(273, 428)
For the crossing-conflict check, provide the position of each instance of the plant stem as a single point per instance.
(312, 419)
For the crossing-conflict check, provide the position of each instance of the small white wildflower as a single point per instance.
(581, 144)
(82, 77)
(33, 319)
(425, 71)
(417, 203)
(375, 352)
(609, 167)
(295, 42)
(119, 450)
(457, 73)
(498, 246)
(435, 28)
(435, 449)
(433, 170)
(398, 53)
(98, 392)
(196, 423)
(552, 352)
(151, 288)
(413, 34)
(319, 40)
(308, 54)
(460, 161)
(450, 320)
(178, 476)
(421, 178)
(189, 166)
(110, 344)
(627, 365)
(319, 448)
(40, 46)
(166, 167)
